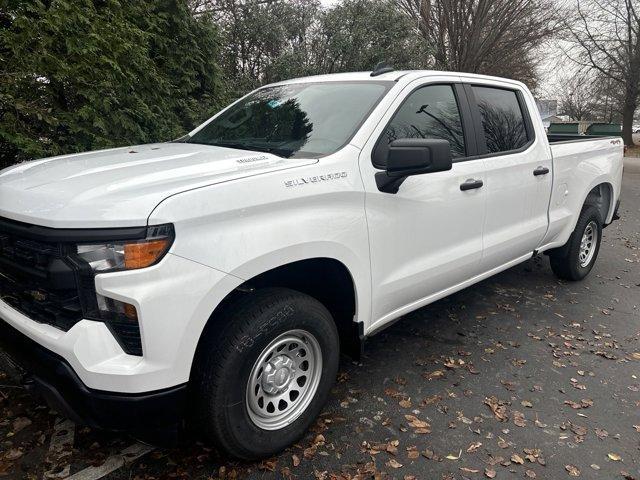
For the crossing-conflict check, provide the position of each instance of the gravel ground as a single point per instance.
(520, 376)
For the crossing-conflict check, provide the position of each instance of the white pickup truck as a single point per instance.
(214, 280)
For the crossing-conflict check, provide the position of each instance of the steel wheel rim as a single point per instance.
(588, 244)
(284, 379)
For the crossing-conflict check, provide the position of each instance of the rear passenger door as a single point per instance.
(517, 169)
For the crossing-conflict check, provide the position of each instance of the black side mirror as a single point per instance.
(413, 156)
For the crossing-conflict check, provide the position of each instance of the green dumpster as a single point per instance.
(605, 129)
(565, 128)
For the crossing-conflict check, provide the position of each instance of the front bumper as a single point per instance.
(174, 300)
(50, 376)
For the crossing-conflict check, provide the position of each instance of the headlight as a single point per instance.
(141, 248)
(128, 254)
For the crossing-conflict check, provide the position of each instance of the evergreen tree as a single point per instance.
(78, 75)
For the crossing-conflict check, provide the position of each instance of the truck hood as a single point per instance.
(120, 187)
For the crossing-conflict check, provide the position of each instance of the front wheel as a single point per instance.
(576, 259)
(264, 376)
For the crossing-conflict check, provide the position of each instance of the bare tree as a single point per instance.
(608, 98)
(268, 40)
(578, 96)
(606, 37)
(496, 37)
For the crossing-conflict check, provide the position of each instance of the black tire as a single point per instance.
(226, 359)
(566, 261)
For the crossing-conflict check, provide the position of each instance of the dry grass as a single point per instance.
(633, 151)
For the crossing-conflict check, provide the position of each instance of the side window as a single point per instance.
(502, 119)
(429, 112)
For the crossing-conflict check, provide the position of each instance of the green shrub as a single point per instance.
(86, 74)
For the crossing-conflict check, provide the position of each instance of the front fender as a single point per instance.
(250, 226)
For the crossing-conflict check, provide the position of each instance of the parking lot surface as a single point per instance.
(520, 376)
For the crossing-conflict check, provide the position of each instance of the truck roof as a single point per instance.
(347, 77)
(392, 76)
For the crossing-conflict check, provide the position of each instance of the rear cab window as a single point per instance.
(503, 119)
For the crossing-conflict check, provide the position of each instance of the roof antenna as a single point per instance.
(382, 67)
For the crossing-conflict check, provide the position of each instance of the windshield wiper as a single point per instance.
(279, 152)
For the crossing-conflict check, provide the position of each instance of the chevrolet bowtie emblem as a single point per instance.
(38, 295)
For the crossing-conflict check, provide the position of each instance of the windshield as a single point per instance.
(302, 120)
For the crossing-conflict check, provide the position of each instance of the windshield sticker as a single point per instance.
(315, 179)
(274, 103)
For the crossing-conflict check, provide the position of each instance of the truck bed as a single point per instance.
(579, 163)
(572, 137)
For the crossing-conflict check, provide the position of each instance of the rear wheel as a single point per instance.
(262, 379)
(575, 260)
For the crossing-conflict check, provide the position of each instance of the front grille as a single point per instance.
(28, 252)
(60, 309)
(42, 277)
(35, 280)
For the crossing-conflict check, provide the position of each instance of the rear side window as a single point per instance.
(429, 112)
(502, 119)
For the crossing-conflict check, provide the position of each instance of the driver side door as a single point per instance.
(426, 239)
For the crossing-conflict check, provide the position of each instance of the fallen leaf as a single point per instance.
(421, 425)
(434, 375)
(13, 454)
(518, 419)
(498, 408)
(579, 430)
(269, 465)
(413, 453)
(573, 470)
(20, 423)
(468, 470)
(614, 456)
(473, 447)
(392, 447)
(489, 473)
(451, 456)
(428, 454)
(393, 463)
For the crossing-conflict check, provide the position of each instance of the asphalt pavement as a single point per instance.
(519, 376)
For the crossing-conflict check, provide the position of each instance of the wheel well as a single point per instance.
(600, 197)
(325, 279)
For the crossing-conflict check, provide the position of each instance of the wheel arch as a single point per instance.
(326, 279)
(601, 196)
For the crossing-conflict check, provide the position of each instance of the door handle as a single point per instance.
(541, 171)
(470, 184)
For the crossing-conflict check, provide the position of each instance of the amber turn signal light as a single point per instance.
(144, 254)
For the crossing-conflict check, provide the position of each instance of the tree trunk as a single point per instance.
(628, 110)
